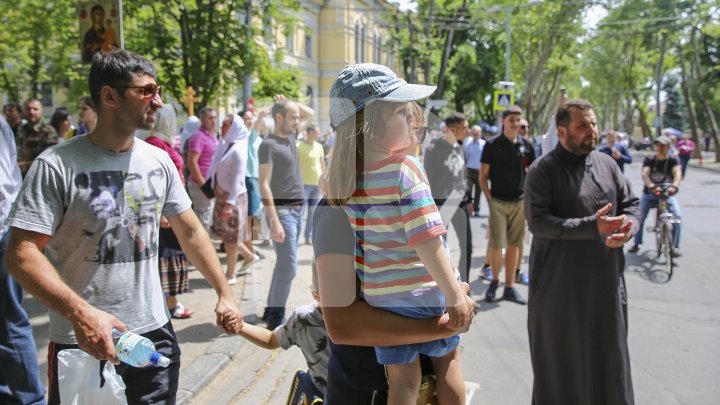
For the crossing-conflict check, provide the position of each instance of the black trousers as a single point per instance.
(460, 223)
(473, 188)
(147, 385)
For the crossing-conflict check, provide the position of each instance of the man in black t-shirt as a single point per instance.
(504, 163)
(661, 168)
(281, 188)
(445, 167)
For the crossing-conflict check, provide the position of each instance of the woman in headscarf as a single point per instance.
(191, 126)
(231, 203)
(173, 262)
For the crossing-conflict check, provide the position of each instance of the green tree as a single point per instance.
(205, 43)
(38, 45)
(675, 113)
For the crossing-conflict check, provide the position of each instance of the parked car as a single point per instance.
(645, 143)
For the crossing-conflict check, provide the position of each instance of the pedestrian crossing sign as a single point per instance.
(503, 100)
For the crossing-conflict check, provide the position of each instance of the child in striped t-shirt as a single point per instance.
(400, 257)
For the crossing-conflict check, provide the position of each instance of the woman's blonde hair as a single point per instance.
(349, 150)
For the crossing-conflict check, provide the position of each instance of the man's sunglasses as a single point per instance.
(523, 127)
(149, 90)
(420, 133)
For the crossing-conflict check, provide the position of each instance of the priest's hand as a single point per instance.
(608, 224)
(619, 238)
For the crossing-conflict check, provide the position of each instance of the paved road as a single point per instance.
(674, 326)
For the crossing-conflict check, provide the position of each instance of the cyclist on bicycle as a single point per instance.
(658, 169)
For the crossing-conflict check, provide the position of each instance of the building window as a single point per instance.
(309, 96)
(290, 40)
(46, 94)
(379, 49)
(308, 46)
(362, 45)
(267, 28)
(357, 43)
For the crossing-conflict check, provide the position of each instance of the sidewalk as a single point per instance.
(708, 162)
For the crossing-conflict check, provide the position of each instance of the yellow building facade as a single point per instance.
(327, 36)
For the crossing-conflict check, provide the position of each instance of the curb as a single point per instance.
(204, 368)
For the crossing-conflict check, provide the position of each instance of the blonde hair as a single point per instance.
(349, 149)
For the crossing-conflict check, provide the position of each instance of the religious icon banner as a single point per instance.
(99, 27)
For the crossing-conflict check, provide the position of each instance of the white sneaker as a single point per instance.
(247, 263)
(232, 281)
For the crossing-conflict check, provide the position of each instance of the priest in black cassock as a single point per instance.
(581, 211)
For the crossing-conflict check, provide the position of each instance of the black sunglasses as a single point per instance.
(149, 90)
(523, 127)
(420, 133)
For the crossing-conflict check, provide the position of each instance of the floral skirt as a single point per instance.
(233, 229)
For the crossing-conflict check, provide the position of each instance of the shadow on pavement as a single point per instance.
(199, 333)
(647, 267)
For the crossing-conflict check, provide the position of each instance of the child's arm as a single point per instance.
(433, 256)
(259, 336)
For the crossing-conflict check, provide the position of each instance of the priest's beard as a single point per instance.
(582, 147)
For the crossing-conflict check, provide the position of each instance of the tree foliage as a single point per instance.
(206, 43)
(38, 41)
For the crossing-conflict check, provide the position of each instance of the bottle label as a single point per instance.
(126, 344)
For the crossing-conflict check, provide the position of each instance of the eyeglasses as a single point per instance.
(149, 90)
(523, 127)
(420, 133)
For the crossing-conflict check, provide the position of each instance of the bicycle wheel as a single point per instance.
(667, 248)
(659, 239)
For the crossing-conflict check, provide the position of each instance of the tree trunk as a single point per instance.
(692, 116)
(628, 123)
(714, 130)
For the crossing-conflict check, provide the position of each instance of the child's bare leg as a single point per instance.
(404, 383)
(449, 378)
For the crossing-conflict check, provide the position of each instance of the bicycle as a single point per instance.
(664, 226)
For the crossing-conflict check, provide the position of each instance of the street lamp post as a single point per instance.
(508, 10)
(507, 43)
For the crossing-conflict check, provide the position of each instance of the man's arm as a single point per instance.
(194, 168)
(351, 321)
(625, 155)
(484, 185)
(31, 268)
(196, 244)
(276, 230)
(677, 176)
(645, 175)
(543, 223)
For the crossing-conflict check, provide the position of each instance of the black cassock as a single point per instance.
(577, 309)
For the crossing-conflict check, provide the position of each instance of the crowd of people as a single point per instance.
(128, 191)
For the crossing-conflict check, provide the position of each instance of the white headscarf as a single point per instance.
(165, 124)
(237, 132)
(191, 126)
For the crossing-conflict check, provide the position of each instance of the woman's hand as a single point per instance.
(227, 211)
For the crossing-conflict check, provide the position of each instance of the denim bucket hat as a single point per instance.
(358, 85)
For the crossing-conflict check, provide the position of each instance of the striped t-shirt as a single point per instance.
(391, 211)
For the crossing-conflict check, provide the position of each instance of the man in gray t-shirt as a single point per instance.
(84, 232)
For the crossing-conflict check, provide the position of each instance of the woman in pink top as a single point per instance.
(173, 262)
(685, 147)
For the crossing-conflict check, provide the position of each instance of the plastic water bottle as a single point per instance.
(137, 351)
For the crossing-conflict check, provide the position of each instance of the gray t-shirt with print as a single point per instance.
(103, 211)
(305, 328)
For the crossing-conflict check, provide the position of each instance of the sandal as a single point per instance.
(180, 312)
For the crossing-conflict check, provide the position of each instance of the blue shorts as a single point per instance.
(424, 306)
(253, 193)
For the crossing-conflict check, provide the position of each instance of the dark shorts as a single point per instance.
(340, 394)
(253, 193)
(156, 385)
